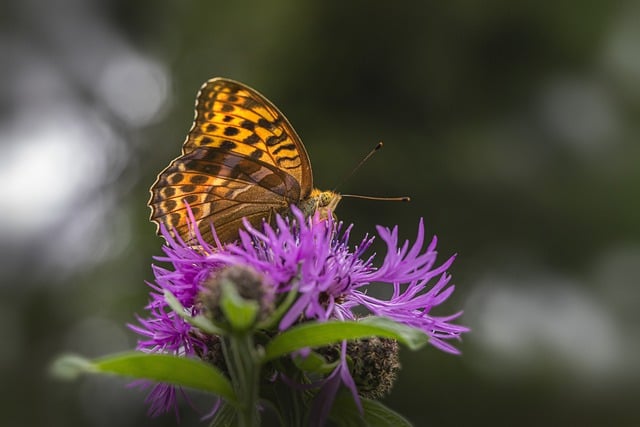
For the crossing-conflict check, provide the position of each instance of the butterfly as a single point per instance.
(241, 159)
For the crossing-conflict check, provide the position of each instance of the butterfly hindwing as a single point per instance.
(220, 187)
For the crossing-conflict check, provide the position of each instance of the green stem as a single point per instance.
(246, 377)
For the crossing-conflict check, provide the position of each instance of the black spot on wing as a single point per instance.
(251, 139)
(262, 122)
(228, 145)
(175, 219)
(248, 125)
(281, 160)
(169, 205)
(198, 179)
(176, 178)
(231, 131)
(190, 199)
(275, 140)
(291, 146)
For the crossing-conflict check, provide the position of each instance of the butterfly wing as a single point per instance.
(234, 117)
(241, 158)
(220, 188)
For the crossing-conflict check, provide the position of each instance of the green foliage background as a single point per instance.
(512, 125)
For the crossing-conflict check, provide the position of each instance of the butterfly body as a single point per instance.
(241, 159)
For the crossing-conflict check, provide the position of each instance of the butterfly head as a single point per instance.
(320, 201)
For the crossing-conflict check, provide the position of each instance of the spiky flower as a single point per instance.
(313, 258)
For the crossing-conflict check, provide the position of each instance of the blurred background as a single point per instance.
(514, 128)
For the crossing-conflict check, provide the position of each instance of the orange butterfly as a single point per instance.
(241, 158)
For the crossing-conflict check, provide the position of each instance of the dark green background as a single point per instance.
(512, 125)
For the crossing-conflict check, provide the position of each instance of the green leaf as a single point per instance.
(314, 362)
(165, 368)
(377, 414)
(317, 334)
(70, 367)
(240, 313)
(345, 413)
(413, 338)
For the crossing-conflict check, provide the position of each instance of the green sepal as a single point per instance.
(239, 312)
(199, 321)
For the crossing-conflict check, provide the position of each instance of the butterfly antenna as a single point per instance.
(362, 162)
(385, 199)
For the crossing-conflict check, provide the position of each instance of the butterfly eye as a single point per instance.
(325, 198)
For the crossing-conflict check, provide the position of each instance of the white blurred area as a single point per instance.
(135, 88)
(620, 57)
(575, 333)
(581, 112)
(76, 92)
(53, 159)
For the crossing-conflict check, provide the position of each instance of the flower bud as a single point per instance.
(248, 283)
(374, 365)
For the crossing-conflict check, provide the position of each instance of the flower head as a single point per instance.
(312, 257)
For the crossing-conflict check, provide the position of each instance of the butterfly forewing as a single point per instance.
(234, 117)
(241, 159)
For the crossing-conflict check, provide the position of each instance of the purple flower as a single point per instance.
(331, 277)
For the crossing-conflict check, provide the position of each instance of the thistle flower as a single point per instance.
(313, 258)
